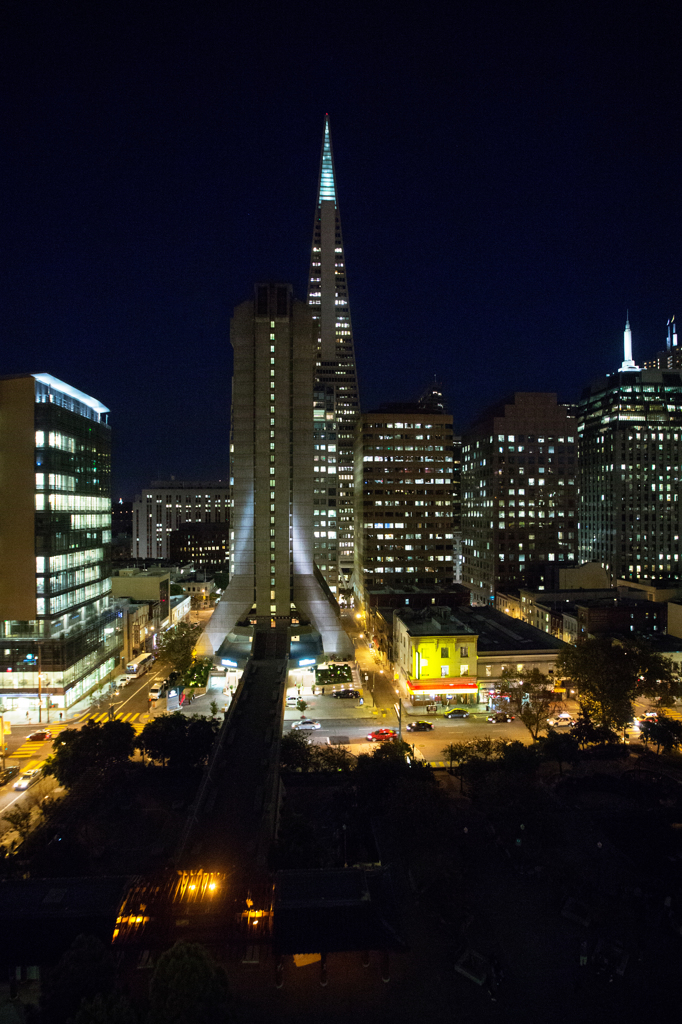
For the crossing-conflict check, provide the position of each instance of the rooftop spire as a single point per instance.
(628, 362)
(327, 189)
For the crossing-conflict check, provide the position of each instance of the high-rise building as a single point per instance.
(57, 624)
(166, 504)
(669, 358)
(336, 405)
(630, 453)
(272, 571)
(405, 479)
(518, 493)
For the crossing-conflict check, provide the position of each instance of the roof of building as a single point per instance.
(497, 633)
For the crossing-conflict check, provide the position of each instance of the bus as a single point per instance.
(138, 666)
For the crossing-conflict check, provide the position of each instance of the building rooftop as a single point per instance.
(496, 632)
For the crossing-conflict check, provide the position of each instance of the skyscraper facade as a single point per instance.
(336, 402)
(271, 533)
(405, 478)
(518, 493)
(630, 454)
(57, 625)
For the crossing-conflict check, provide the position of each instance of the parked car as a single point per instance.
(419, 726)
(28, 779)
(292, 700)
(7, 774)
(500, 716)
(348, 693)
(40, 736)
(456, 713)
(380, 735)
(306, 724)
(564, 720)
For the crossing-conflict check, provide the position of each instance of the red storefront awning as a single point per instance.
(451, 684)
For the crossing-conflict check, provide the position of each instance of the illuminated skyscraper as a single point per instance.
(57, 623)
(271, 530)
(336, 404)
(630, 456)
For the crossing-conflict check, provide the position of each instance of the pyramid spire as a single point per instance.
(327, 186)
(336, 387)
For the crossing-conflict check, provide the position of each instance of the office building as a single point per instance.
(166, 504)
(272, 572)
(205, 545)
(630, 449)
(405, 473)
(518, 493)
(336, 403)
(59, 637)
(670, 357)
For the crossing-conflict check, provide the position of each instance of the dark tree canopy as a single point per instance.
(84, 971)
(188, 985)
(610, 673)
(176, 645)
(530, 695)
(183, 741)
(94, 746)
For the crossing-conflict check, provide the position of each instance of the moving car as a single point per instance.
(305, 724)
(348, 692)
(28, 779)
(41, 734)
(8, 773)
(456, 713)
(564, 719)
(380, 735)
(500, 716)
(419, 726)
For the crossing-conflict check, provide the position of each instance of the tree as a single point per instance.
(110, 1009)
(664, 732)
(96, 746)
(187, 985)
(531, 698)
(561, 747)
(514, 756)
(585, 731)
(181, 740)
(610, 673)
(20, 820)
(176, 645)
(84, 971)
(295, 752)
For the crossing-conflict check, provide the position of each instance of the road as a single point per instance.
(130, 705)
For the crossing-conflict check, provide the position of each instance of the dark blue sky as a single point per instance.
(509, 182)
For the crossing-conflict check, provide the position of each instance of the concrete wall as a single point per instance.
(17, 504)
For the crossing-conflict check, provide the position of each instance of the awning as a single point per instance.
(452, 684)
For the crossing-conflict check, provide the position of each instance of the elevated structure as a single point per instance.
(271, 539)
(336, 405)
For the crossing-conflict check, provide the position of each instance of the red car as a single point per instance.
(43, 734)
(379, 735)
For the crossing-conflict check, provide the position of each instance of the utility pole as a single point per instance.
(2, 739)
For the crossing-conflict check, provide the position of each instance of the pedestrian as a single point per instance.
(60, 716)
(322, 690)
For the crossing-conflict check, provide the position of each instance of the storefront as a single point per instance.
(452, 690)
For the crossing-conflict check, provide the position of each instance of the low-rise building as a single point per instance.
(500, 645)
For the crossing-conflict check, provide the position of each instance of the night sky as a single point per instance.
(509, 178)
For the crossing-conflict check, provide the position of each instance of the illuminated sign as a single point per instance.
(306, 661)
(228, 663)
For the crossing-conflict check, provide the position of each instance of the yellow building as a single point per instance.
(436, 656)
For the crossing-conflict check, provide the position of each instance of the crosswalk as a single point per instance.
(30, 748)
(130, 716)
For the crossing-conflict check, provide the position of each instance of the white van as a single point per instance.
(155, 691)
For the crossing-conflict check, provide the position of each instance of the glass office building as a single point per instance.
(58, 629)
